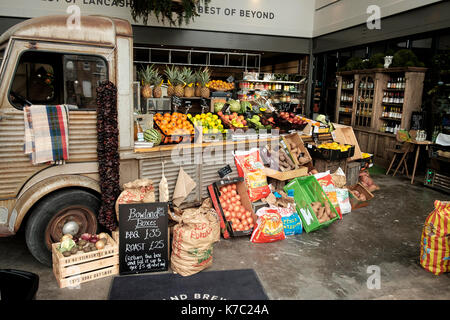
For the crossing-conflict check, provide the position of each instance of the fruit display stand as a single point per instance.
(306, 191)
(83, 267)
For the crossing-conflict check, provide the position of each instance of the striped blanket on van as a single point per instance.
(47, 133)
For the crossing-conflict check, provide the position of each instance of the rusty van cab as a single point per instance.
(43, 61)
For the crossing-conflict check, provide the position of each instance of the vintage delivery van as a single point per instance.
(43, 61)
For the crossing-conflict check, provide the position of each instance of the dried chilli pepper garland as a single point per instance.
(108, 153)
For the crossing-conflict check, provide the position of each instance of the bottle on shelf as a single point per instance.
(138, 132)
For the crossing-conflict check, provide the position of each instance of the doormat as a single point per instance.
(211, 285)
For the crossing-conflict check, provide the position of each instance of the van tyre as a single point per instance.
(52, 213)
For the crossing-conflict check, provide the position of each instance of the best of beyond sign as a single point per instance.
(235, 12)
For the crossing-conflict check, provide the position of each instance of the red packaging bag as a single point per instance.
(269, 226)
(250, 167)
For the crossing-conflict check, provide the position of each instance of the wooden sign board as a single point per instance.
(144, 238)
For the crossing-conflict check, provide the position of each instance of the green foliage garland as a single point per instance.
(176, 12)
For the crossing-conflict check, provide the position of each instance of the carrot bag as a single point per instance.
(269, 226)
(435, 240)
(250, 166)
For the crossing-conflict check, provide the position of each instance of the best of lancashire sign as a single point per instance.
(292, 18)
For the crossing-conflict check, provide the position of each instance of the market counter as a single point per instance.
(201, 161)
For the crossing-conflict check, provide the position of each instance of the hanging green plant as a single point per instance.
(174, 11)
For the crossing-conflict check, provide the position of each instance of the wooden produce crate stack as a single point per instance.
(83, 267)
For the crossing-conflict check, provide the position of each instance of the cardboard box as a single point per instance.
(297, 140)
(346, 135)
(286, 175)
(362, 190)
(241, 189)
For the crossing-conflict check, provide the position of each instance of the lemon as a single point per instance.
(215, 117)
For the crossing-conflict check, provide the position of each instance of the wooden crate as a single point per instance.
(83, 267)
(115, 236)
(352, 173)
(325, 165)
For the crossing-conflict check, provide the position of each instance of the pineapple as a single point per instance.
(189, 79)
(157, 91)
(171, 74)
(197, 83)
(204, 80)
(146, 76)
(179, 84)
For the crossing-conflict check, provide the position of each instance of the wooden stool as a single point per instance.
(405, 149)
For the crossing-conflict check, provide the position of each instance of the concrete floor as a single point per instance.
(327, 264)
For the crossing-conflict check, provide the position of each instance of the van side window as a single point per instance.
(55, 78)
(82, 76)
(36, 80)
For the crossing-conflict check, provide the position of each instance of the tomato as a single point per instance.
(233, 186)
(228, 201)
(244, 222)
(250, 220)
(237, 208)
(233, 192)
(248, 214)
(227, 214)
(240, 226)
(223, 190)
(238, 197)
(251, 225)
(228, 188)
(233, 214)
(242, 210)
(233, 199)
(239, 215)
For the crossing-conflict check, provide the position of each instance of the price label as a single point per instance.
(230, 79)
(204, 105)
(225, 171)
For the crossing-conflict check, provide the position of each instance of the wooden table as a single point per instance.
(418, 143)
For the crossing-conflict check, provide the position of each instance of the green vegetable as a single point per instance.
(66, 245)
(235, 106)
(245, 106)
(256, 118)
(218, 106)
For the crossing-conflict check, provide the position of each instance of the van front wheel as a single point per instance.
(66, 211)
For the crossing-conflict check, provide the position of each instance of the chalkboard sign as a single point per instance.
(143, 243)
(204, 105)
(418, 120)
(230, 79)
(225, 171)
(176, 103)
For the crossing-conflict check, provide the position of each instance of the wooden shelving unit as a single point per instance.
(361, 105)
